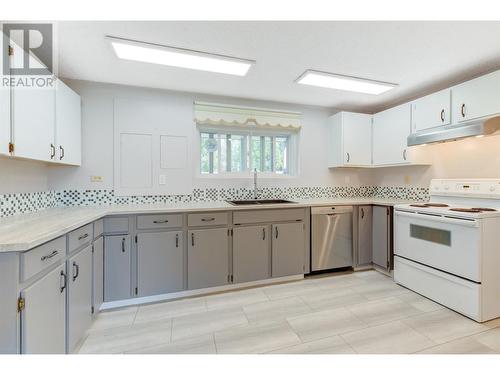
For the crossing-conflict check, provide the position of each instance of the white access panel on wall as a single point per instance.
(151, 153)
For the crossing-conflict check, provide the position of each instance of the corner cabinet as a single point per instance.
(349, 140)
(117, 268)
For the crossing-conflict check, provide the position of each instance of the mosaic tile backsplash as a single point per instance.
(13, 204)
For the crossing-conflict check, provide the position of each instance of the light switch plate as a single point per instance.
(162, 179)
(96, 178)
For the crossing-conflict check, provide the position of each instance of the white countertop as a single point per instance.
(26, 231)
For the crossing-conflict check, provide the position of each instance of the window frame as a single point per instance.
(292, 152)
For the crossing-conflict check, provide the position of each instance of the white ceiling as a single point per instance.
(419, 56)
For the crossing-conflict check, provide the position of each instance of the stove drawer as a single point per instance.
(458, 294)
(451, 245)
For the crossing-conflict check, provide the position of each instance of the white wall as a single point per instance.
(97, 139)
(467, 158)
(22, 176)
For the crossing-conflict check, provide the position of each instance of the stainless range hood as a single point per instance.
(447, 133)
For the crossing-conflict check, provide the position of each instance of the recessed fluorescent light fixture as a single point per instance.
(178, 57)
(341, 82)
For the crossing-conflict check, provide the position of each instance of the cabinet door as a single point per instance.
(431, 111)
(208, 258)
(160, 263)
(33, 119)
(43, 320)
(390, 132)
(357, 138)
(98, 275)
(4, 120)
(68, 125)
(79, 296)
(381, 236)
(251, 253)
(476, 98)
(288, 249)
(117, 270)
(364, 235)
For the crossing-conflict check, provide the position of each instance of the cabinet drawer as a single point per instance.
(209, 218)
(41, 257)
(266, 216)
(98, 228)
(116, 225)
(159, 221)
(80, 237)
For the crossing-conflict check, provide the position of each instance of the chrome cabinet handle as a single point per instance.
(208, 219)
(442, 115)
(160, 221)
(276, 233)
(192, 239)
(348, 157)
(263, 234)
(362, 213)
(64, 279)
(53, 151)
(61, 148)
(404, 154)
(123, 244)
(176, 240)
(462, 110)
(51, 255)
(76, 268)
(83, 236)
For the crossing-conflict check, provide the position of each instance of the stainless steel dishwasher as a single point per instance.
(331, 237)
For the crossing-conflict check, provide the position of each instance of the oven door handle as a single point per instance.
(439, 219)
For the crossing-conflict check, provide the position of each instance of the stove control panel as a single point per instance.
(473, 187)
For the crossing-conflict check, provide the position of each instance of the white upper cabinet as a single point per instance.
(33, 120)
(349, 140)
(68, 125)
(476, 98)
(431, 111)
(390, 131)
(4, 120)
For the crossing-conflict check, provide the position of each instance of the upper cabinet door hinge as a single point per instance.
(21, 304)
(11, 147)
(10, 50)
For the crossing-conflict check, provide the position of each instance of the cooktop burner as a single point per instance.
(436, 205)
(484, 209)
(470, 210)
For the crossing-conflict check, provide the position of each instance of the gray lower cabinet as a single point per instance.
(381, 236)
(364, 243)
(160, 262)
(288, 241)
(208, 257)
(251, 253)
(97, 275)
(117, 268)
(79, 316)
(43, 320)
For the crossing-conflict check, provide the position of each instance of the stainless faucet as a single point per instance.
(255, 191)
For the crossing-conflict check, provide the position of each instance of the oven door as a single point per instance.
(448, 244)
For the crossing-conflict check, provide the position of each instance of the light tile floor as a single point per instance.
(363, 312)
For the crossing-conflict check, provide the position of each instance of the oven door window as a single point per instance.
(439, 236)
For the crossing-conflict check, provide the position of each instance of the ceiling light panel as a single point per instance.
(178, 57)
(346, 83)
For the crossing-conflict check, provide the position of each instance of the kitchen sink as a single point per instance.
(258, 201)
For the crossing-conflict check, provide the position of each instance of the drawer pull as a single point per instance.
(83, 236)
(160, 221)
(51, 255)
(64, 282)
(208, 219)
(76, 271)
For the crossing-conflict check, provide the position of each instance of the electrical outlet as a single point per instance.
(96, 178)
(162, 179)
(347, 179)
(407, 179)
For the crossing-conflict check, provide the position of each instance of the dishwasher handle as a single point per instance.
(329, 210)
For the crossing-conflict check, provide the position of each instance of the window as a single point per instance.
(227, 151)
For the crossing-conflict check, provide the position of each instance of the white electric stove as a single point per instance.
(449, 248)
